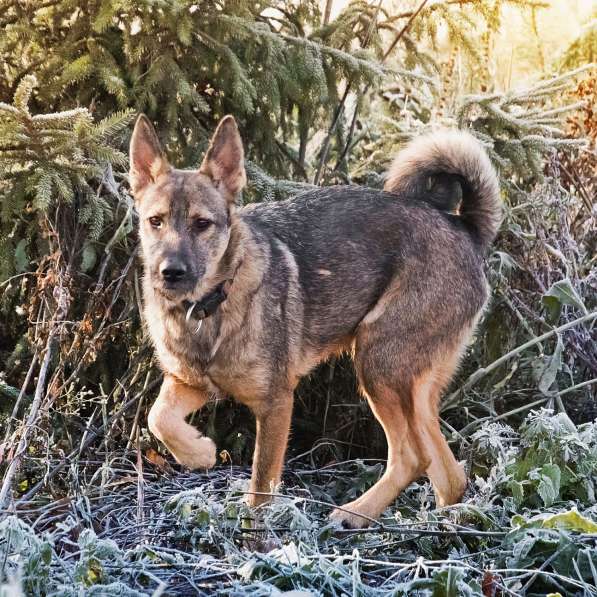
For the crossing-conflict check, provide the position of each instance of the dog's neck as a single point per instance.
(239, 262)
(209, 303)
(233, 255)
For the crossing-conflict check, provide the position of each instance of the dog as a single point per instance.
(243, 302)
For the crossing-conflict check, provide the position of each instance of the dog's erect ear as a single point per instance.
(224, 161)
(147, 161)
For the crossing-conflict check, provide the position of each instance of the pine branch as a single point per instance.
(442, 3)
(11, 19)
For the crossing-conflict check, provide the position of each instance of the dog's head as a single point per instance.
(185, 215)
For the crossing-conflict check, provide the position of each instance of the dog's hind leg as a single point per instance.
(405, 402)
(273, 427)
(445, 473)
(166, 421)
(405, 462)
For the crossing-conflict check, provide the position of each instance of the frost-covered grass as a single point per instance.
(527, 526)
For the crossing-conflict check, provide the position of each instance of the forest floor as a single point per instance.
(130, 524)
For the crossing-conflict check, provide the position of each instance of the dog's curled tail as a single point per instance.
(444, 162)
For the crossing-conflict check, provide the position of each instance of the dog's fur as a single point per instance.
(393, 277)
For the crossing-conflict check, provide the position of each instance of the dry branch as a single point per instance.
(63, 300)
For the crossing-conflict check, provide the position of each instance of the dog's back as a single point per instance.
(396, 277)
(351, 244)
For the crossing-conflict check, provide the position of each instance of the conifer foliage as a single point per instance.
(47, 159)
(185, 64)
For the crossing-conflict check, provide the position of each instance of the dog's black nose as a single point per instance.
(173, 270)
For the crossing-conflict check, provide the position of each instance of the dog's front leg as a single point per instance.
(166, 421)
(273, 427)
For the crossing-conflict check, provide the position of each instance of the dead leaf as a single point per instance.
(158, 461)
(490, 584)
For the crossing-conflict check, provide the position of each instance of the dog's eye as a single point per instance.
(200, 224)
(155, 221)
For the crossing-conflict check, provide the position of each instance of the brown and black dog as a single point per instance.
(243, 302)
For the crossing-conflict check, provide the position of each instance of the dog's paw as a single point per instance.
(200, 453)
(348, 517)
(452, 493)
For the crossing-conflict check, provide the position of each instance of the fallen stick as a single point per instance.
(20, 397)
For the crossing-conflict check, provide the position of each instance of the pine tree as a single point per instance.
(186, 64)
(583, 50)
(47, 160)
(419, 91)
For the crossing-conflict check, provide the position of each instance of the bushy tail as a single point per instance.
(429, 165)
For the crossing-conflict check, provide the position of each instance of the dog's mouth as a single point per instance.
(173, 293)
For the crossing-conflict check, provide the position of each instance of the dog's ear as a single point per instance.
(147, 160)
(224, 161)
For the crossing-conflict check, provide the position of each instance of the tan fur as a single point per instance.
(452, 152)
(416, 444)
(405, 463)
(223, 157)
(454, 146)
(166, 421)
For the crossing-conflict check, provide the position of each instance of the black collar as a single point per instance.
(208, 305)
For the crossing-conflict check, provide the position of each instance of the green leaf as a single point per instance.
(553, 306)
(202, 518)
(570, 520)
(518, 521)
(562, 293)
(549, 484)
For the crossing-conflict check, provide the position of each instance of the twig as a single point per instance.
(140, 482)
(394, 43)
(328, 398)
(404, 29)
(484, 371)
(543, 566)
(327, 12)
(51, 474)
(338, 112)
(107, 314)
(59, 315)
(479, 422)
(20, 397)
(426, 532)
(319, 502)
(328, 138)
(350, 135)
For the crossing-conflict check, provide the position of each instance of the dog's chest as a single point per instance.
(223, 361)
